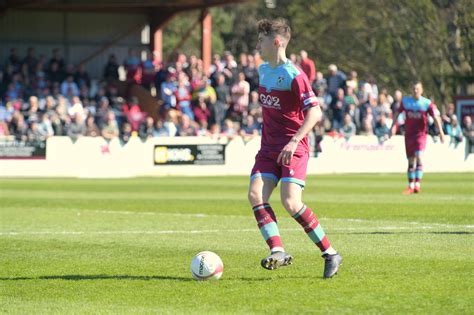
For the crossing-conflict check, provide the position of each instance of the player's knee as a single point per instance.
(291, 205)
(255, 197)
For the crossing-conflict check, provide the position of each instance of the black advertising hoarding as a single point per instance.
(189, 154)
(13, 149)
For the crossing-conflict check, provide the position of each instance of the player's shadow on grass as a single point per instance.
(100, 277)
(406, 232)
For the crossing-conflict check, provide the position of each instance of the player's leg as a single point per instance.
(418, 171)
(410, 149)
(292, 184)
(265, 176)
(419, 149)
(411, 176)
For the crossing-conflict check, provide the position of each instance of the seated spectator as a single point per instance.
(160, 130)
(77, 128)
(229, 130)
(46, 126)
(34, 135)
(110, 129)
(367, 129)
(19, 127)
(187, 127)
(215, 131)
(147, 128)
(33, 113)
(250, 127)
(133, 113)
(170, 124)
(468, 132)
(348, 128)
(125, 132)
(91, 128)
(382, 130)
(201, 111)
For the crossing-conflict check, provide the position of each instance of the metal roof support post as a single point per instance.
(206, 39)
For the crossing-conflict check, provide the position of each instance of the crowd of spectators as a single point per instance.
(42, 97)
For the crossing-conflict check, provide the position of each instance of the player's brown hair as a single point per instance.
(277, 26)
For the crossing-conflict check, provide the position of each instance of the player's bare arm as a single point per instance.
(313, 115)
(438, 124)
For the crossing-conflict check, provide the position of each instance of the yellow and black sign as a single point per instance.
(198, 154)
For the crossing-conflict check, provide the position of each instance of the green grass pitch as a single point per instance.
(125, 246)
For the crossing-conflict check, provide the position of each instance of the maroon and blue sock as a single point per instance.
(268, 226)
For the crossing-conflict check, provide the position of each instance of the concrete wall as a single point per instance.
(94, 157)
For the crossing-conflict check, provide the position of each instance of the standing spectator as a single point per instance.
(148, 72)
(56, 59)
(132, 67)
(454, 131)
(183, 96)
(308, 67)
(335, 80)
(240, 95)
(81, 77)
(14, 60)
(353, 82)
(320, 85)
(230, 69)
(337, 108)
(168, 89)
(111, 69)
(222, 100)
(30, 60)
(55, 74)
(468, 132)
(448, 116)
(397, 101)
(251, 73)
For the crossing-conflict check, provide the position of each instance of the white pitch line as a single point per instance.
(158, 232)
(202, 215)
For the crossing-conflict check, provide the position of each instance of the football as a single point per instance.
(207, 266)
